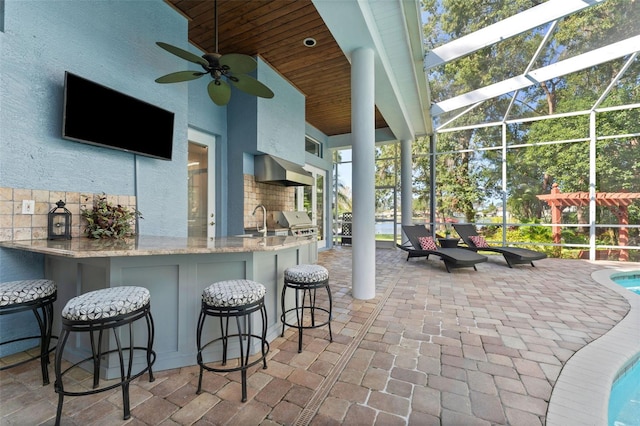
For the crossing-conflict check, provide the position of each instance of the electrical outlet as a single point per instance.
(28, 206)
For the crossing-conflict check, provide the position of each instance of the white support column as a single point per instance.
(363, 134)
(592, 185)
(406, 182)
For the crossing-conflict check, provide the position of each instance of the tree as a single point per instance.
(469, 167)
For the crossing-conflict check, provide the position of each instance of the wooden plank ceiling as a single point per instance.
(275, 30)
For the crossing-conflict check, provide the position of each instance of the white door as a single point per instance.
(201, 185)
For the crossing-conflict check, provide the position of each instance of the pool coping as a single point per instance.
(580, 396)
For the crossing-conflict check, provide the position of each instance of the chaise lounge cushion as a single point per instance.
(427, 243)
(479, 241)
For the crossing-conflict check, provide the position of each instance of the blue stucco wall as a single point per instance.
(281, 126)
(113, 43)
(114, 46)
(273, 126)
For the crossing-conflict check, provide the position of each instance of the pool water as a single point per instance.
(631, 281)
(624, 401)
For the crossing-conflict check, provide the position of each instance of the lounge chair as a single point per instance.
(452, 257)
(513, 255)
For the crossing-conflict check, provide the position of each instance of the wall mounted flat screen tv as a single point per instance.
(98, 115)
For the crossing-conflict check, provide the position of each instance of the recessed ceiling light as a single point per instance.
(309, 42)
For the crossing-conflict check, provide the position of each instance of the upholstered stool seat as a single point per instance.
(233, 299)
(107, 303)
(233, 293)
(25, 291)
(93, 313)
(306, 274)
(36, 296)
(307, 279)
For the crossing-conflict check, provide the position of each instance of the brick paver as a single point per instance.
(472, 348)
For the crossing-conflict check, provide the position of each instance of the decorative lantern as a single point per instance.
(59, 222)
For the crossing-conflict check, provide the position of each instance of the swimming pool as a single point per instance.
(629, 280)
(624, 400)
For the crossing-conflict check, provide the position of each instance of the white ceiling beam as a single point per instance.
(558, 69)
(509, 27)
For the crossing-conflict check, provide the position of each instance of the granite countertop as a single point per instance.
(150, 245)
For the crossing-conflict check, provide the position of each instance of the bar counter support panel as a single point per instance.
(176, 282)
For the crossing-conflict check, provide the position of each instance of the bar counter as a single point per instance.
(151, 245)
(176, 271)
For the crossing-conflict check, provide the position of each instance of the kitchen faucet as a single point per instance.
(264, 219)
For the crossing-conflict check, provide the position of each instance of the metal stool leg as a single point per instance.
(199, 344)
(58, 386)
(282, 318)
(44, 325)
(330, 311)
(151, 334)
(264, 346)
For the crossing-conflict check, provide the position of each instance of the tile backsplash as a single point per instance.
(17, 226)
(273, 197)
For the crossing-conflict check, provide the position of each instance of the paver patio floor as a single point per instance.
(467, 348)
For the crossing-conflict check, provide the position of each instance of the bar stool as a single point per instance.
(233, 299)
(31, 295)
(306, 278)
(97, 311)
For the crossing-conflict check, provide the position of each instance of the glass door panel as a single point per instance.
(313, 201)
(197, 193)
(201, 185)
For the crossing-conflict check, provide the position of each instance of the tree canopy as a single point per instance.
(469, 173)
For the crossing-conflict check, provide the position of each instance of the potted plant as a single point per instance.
(106, 220)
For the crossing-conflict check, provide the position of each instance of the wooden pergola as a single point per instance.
(617, 202)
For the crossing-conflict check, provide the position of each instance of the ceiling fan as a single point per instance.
(224, 69)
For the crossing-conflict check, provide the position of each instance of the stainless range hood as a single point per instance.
(276, 171)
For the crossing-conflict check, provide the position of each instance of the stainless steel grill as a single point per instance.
(298, 223)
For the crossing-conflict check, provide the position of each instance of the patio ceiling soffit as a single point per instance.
(401, 89)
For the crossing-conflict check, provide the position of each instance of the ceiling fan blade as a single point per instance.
(251, 86)
(184, 54)
(219, 92)
(239, 63)
(176, 77)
